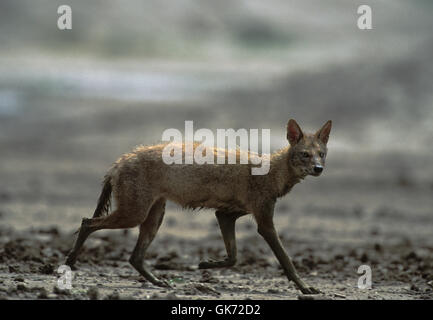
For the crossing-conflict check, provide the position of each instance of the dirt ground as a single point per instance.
(326, 258)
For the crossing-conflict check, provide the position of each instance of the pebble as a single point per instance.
(93, 293)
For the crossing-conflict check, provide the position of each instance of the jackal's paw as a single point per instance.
(310, 290)
(206, 264)
(71, 263)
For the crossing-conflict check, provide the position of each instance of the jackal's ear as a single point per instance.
(294, 132)
(323, 133)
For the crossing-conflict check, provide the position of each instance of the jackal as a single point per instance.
(141, 183)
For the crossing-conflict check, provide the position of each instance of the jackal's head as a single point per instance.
(307, 152)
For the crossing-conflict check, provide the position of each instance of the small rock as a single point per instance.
(206, 289)
(378, 247)
(43, 294)
(51, 230)
(59, 291)
(93, 293)
(207, 277)
(273, 290)
(364, 258)
(21, 287)
(47, 269)
(412, 255)
(113, 296)
(170, 296)
(12, 269)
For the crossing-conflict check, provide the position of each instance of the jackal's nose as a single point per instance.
(318, 169)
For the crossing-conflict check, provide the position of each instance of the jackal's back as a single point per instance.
(143, 171)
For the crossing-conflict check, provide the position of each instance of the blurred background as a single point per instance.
(73, 101)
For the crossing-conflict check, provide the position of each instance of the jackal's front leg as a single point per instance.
(226, 221)
(267, 230)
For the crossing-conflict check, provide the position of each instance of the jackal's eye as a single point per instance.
(305, 154)
(321, 154)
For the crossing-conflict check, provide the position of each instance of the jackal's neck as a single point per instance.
(282, 175)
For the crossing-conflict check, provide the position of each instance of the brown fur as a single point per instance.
(141, 183)
(104, 201)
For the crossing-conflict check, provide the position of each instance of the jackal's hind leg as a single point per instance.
(226, 221)
(148, 230)
(84, 232)
(118, 219)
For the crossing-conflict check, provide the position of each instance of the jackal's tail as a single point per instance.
(104, 201)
